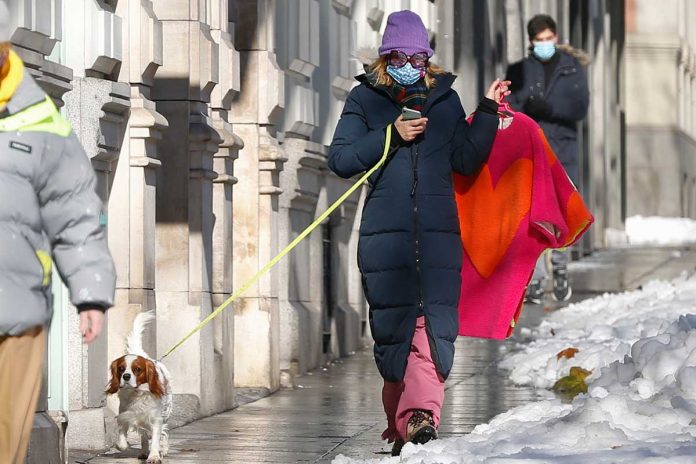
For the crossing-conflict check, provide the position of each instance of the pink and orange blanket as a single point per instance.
(520, 203)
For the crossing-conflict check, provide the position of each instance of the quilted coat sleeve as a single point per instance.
(572, 106)
(70, 212)
(515, 75)
(473, 142)
(355, 148)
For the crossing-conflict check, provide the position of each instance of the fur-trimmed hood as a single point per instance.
(581, 55)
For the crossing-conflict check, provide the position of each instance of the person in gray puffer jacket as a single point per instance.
(49, 210)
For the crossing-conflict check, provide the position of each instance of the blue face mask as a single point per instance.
(544, 50)
(405, 75)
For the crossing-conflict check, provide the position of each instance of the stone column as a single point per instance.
(223, 165)
(132, 198)
(301, 272)
(255, 209)
(184, 230)
(657, 160)
(98, 109)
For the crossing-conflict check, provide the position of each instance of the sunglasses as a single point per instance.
(399, 59)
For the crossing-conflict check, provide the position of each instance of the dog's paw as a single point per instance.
(122, 445)
(154, 458)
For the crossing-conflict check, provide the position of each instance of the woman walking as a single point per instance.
(410, 251)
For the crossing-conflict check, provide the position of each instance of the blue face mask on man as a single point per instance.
(544, 50)
(406, 74)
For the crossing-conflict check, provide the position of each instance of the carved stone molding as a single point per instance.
(304, 177)
(92, 42)
(271, 160)
(38, 25)
(142, 41)
(341, 86)
(271, 91)
(98, 110)
(374, 18)
(203, 143)
(33, 46)
(191, 63)
(343, 6)
(229, 83)
(228, 151)
(301, 69)
(146, 128)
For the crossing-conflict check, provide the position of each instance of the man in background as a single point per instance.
(550, 86)
(48, 210)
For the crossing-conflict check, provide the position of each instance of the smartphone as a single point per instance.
(409, 114)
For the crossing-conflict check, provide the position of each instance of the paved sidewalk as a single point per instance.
(338, 410)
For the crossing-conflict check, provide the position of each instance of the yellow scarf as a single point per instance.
(11, 75)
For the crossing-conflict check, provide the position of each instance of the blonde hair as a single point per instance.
(379, 69)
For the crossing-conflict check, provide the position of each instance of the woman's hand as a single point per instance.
(498, 90)
(409, 130)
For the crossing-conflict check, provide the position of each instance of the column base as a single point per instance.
(47, 443)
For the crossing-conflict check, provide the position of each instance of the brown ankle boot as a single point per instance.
(421, 427)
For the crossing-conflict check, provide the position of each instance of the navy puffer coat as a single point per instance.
(410, 251)
(567, 93)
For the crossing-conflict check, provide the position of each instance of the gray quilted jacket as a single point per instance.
(49, 211)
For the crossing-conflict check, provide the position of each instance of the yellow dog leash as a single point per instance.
(288, 248)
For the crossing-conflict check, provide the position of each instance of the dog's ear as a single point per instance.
(115, 380)
(153, 379)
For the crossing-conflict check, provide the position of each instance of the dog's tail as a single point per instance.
(134, 342)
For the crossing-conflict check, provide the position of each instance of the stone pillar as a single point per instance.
(223, 165)
(660, 143)
(132, 199)
(184, 230)
(98, 109)
(301, 272)
(255, 209)
(350, 306)
(270, 162)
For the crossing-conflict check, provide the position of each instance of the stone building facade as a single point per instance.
(208, 122)
(661, 107)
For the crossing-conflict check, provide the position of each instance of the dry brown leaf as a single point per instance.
(567, 353)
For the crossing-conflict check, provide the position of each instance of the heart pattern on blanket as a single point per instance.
(495, 211)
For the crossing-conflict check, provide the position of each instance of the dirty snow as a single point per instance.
(641, 404)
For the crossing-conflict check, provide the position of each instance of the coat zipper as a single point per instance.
(428, 329)
(415, 220)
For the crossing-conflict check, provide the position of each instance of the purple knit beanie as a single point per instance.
(405, 31)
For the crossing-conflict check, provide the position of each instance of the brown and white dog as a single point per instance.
(144, 391)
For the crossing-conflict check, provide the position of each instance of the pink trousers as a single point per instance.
(422, 388)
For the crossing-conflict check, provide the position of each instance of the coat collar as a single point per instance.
(444, 84)
(565, 61)
(27, 94)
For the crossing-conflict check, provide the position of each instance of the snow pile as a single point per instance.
(660, 230)
(639, 409)
(602, 329)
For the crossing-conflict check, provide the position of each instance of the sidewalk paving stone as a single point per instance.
(338, 410)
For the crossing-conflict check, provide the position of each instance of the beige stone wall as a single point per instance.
(661, 109)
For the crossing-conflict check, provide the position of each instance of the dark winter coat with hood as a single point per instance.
(566, 94)
(410, 251)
